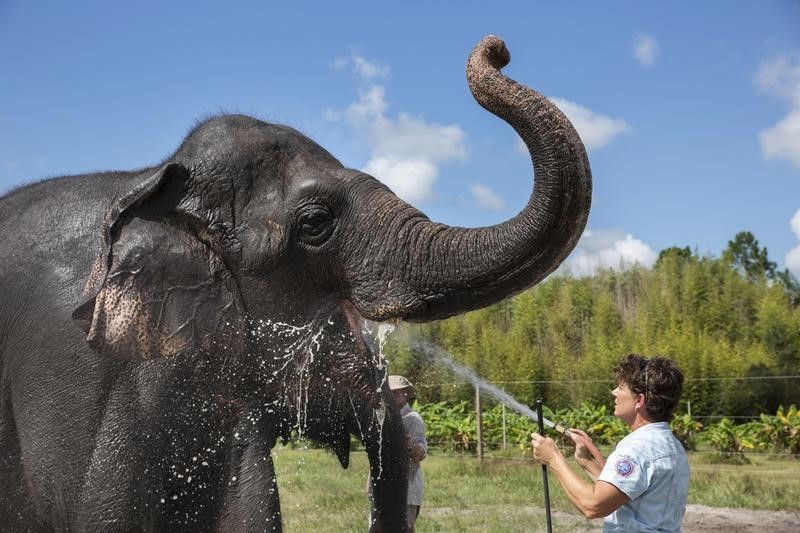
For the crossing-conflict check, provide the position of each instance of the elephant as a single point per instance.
(162, 329)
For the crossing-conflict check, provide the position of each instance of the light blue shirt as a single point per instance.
(415, 431)
(651, 468)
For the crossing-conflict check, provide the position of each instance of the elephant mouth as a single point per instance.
(350, 399)
(372, 381)
(355, 323)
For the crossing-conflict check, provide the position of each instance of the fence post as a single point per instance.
(504, 427)
(689, 408)
(478, 420)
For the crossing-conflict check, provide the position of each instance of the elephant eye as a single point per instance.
(315, 223)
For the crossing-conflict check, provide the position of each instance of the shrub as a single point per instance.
(782, 431)
(452, 427)
(685, 428)
(602, 427)
(731, 440)
(518, 428)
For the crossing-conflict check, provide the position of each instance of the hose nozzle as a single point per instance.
(560, 428)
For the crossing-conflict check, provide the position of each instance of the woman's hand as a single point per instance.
(582, 442)
(544, 449)
(586, 453)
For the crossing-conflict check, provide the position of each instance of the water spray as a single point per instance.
(444, 358)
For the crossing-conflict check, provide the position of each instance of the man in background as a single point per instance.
(403, 394)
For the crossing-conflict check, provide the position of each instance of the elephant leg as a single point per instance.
(109, 500)
(17, 511)
(251, 500)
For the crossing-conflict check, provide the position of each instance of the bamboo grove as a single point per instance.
(732, 323)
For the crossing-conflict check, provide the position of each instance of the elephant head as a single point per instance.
(255, 246)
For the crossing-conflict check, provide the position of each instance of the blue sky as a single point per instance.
(690, 110)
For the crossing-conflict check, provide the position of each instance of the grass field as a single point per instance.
(501, 494)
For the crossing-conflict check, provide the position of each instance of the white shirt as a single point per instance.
(415, 431)
(651, 468)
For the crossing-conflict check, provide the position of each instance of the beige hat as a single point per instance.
(398, 382)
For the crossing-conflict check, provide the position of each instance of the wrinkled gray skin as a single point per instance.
(160, 329)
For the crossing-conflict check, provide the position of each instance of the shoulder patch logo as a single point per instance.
(624, 466)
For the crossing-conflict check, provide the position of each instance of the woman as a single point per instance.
(644, 484)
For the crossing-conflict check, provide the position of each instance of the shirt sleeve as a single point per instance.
(625, 471)
(416, 431)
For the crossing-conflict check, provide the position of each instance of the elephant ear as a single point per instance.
(156, 289)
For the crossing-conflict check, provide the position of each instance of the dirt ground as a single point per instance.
(702, 519)
(705, 519)
(698, 518)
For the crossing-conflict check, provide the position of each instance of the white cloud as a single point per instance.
(793, 257)
(363, 67)
(596, 130)
(608, 249)
(411, 179)
(781, 78)
(487, 198)
(793, 261)
(645, 50)
(782, 141)
(405, 151)
(369, 69)
(413, 136)
(521, 148)
(794, 223)
(371, 103)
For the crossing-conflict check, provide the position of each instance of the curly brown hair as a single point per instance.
(658, 378)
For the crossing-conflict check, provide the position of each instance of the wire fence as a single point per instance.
(609, 381)
(441, 449)
(444, 448)
(473, 443)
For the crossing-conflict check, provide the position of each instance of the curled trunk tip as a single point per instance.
(491, 49)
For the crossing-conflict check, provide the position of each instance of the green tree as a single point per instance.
(791, 286)
(673, 257)
(744, 254)
(723, 320)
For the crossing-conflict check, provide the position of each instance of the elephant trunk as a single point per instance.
(438, 270)
(385, 444)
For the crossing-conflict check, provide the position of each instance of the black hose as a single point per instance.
(544, 470)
